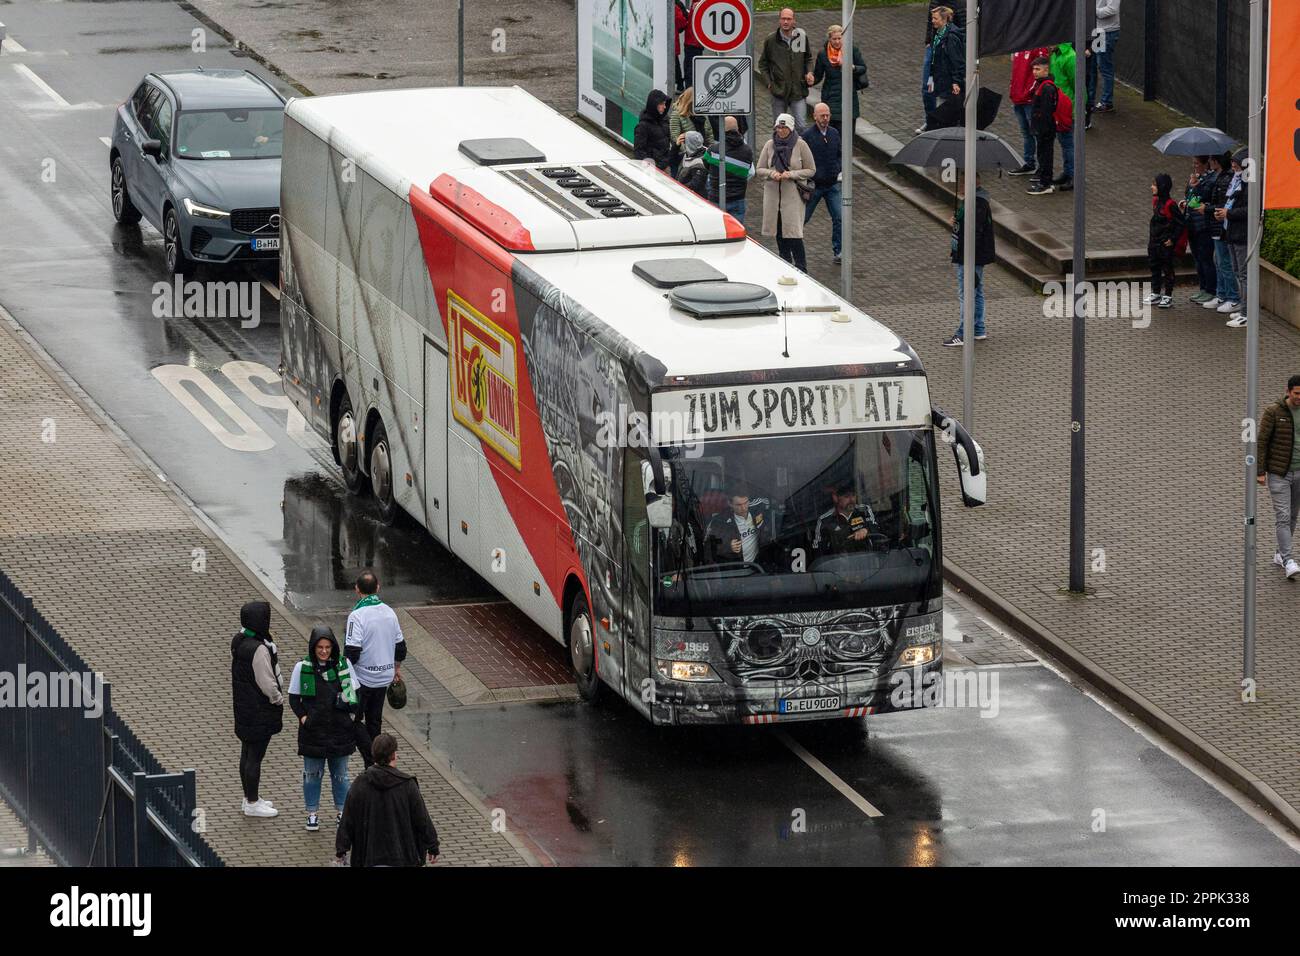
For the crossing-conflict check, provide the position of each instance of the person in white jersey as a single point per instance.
(741, 534)
(375, 647)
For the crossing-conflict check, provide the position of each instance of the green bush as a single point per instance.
(1282, 240)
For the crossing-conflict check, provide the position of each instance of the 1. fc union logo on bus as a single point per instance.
(484, 388)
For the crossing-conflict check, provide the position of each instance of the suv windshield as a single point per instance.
(230, 134)
(802, 522)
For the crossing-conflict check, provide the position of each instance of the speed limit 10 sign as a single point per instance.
(721, 25)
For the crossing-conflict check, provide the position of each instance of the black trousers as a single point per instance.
(1046, 151)
(791, 250)
(250, 766)
(370, 724)
(1161, 259)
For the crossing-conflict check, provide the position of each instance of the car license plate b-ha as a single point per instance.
(271, 244)
(808, 705)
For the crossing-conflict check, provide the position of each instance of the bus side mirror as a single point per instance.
(971, 472)
(659, 511)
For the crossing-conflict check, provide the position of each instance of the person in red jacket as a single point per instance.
(1022, 92)
(1042, 121)
(682, 23)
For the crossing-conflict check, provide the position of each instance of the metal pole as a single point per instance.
(970, 219)
(722, 165)
(460, 42)
(1078, 354)
(846, 152)
(1253, 236)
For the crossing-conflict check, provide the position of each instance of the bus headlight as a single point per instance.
(696, 671)
(915, 656)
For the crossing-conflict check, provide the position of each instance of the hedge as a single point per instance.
(1282, 240)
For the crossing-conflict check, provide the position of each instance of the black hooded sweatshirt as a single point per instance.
(330, 729)
(651, 139)
(385, 822)
(256, 717)
(1166, 220)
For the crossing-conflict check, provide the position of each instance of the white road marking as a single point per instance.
(106, 141)
(829, 775)
(41, 85)
(10, 45)
(250, 437)
(243, 373)
(272, 288)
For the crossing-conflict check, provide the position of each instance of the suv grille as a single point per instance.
(255, 220)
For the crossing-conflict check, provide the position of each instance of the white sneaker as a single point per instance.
(1227, 307)
(1212, 303)
(1151, 299)
(1166, 302)
(1277, 559)
(1238, 321)
(1292, 569)
(260, 809)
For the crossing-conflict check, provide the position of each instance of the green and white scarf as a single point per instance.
(343, 674)
(370, 600)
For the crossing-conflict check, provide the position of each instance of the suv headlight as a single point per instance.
(694, 671)
(204, 212)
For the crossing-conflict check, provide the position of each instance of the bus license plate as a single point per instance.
(808, 705)
(265, 245)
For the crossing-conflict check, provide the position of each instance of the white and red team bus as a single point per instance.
(708, 476)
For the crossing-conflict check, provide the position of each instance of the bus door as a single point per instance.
(635, 624)
(436, 510)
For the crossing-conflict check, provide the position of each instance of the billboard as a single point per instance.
(625, 50)
(1282, 164)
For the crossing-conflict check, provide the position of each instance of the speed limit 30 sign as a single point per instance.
(722, 25)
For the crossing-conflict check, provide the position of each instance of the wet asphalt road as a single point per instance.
(594, 786)
(83, 287)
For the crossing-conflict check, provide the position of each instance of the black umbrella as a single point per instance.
(952, 111)
(937, 148)
(1195, 141)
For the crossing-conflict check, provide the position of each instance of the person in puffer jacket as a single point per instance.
(256, 690)
(324, 698)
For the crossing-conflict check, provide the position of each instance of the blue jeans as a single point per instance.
(979, 300)
(737, 208)
(928, 100)
(313, 768)
(1030, 154)
(1226, 281)
(1106, 66)
(1067, 152)
(832, 196)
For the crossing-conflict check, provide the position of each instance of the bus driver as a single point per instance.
(846, 526)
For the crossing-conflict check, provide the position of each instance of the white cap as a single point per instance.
(786, 120)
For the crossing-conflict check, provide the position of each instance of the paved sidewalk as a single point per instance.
(106, 551)
(13, 842)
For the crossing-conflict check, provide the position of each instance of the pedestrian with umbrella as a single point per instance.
(985, 253)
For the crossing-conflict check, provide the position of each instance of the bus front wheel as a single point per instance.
(582, 650)
(347, 449)
(381, 474)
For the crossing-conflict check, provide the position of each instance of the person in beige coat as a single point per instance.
(785, 167)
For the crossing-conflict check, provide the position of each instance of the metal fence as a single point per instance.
(85, 787)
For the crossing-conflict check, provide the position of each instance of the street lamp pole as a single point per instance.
(846, 152)
(460, 42)
(971, 220)
(1078, 354)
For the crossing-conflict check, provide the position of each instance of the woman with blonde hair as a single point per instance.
(829, 72)
(681, 120)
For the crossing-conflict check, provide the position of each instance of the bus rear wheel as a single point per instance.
(347, 449)
(381, 474)
(582, 650)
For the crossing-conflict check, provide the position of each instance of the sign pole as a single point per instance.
(722, 166)
(968, 252)
(1078, 407)
(1253, 237)
(846, 153)
(460, 42)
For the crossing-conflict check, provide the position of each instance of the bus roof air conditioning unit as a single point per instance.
(501, 150)
(722, 300)
(670, 273)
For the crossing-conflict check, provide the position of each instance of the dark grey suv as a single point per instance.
(197, 154)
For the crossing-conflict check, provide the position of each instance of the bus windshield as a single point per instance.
(804, 522)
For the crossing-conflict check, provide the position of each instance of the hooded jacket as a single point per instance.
(330, 728)
(1234, 227)
(1022, 74)
(1166, 220)
(651, 139)
(256, 687)
(740, 167)
(985, 244)
(948, 65)
(385, 821)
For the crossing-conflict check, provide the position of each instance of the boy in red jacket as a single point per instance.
(1022, 94)
(1042, 121)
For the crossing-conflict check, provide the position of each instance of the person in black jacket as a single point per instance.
(1042, 123)
(651, 139)
(693, 174)
(742, 534)
(929, 102)
(947, 57)
(1233, 216)
(985, 253)
(1225, 284)
(256, 690)
(1166, 225)
(829, 72)
(385, 821)
(324, 698)
(824, 141)
(740, 168)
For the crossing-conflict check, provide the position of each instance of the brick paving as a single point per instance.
(105, 551)
(498, 644)
(13, 842)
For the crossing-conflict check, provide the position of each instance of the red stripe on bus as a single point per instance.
(502, 225)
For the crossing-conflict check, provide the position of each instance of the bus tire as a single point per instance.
(582, 650)
(381, 474)
(347, 449)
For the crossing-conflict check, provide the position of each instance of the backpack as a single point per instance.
(1181, 241)
(1064, 114)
